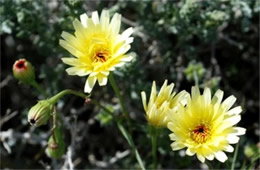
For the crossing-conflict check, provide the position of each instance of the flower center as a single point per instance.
(200, 134)
(101, 56)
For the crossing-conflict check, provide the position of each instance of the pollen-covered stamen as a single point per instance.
(101, 57)
(200, 134)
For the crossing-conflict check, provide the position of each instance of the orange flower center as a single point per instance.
(200, 134)
(101, 56)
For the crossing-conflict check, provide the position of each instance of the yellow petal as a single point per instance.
(221, 156)
(217, 98)
(79, 28)
(102, 80)
(90, 84)
(84, 20)
(207, 96)
(201, 158)
(71, 49)
(71, 61)
(177, 146)
(195, 92)
(143, 95)
(77, 71)
(127, 33)
(235, 110)
(95, 17)
(104, 20)
(190, 152)
(229, 102)
(114, 26)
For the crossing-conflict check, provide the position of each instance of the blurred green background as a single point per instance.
(205, 42)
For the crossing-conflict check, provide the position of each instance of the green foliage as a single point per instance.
(194, 71)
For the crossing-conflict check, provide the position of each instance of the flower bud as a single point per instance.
(23, 71)
(56, 146)
(40, 113)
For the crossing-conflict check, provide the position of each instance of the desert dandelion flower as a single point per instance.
(159, 104)
(97, 46)
(205, 126)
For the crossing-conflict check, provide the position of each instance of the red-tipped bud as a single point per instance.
(23, 71)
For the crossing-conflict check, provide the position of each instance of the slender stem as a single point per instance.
(55, 98)
(154, 148)
(253, 161)
(39, 88)
(129, 139)
(116, 89)
(103, 107)
(54, 124)
(234, 157)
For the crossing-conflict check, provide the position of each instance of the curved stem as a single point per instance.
(128, 137)
(116, 89)
(39, 88)
(55, 98)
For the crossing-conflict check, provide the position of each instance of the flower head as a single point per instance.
(205, 125)
(159, 104)
(23, 71)
(40, 113)
(97, 46)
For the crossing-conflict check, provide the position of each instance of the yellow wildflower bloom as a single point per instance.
(97, 46)
(159, 105)
(205, 125)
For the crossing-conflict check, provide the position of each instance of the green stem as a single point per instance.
(55, 98)
(131, 143)
(234, 157)
(39, 88)
(103, 107)
(154, 147)
(252, 164)
(54, 124)
(129, 139)
(116, 89)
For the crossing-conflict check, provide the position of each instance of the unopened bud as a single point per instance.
(56, 146)
(40, 113)
(23, 71)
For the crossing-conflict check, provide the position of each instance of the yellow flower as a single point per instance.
(159, 105)
(97, 46)
(205, 125)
